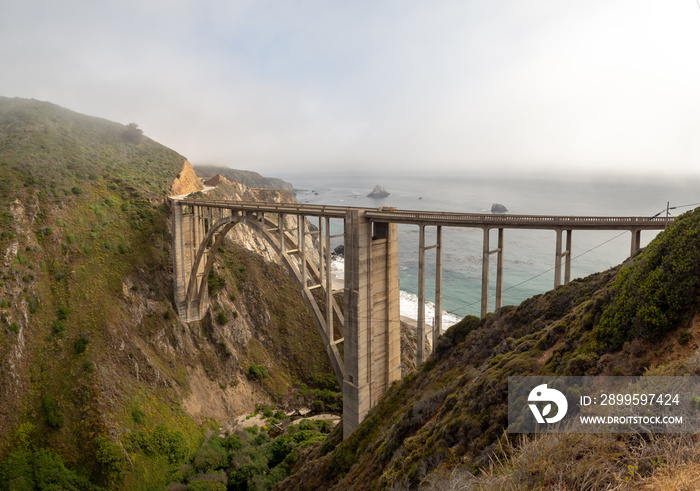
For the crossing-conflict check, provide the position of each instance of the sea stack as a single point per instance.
(378, 192)
(498, 208)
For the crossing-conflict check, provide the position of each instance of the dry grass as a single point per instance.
(582, 462)
(680, 477)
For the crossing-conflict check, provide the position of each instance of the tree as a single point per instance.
(133, 134)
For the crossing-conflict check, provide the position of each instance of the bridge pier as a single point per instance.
(486, 254)
(372, 349)
(636, 241)
(559, 255)
(187, 236)
(422, 351)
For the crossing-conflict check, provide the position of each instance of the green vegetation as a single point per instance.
(89, 288)
(257, 458)
(453, 411)
(38, 469)
(221, 317)
(80, 345)
(49, 408)
(659, 291)
(258, 372)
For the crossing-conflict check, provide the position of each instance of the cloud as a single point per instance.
(454, 85)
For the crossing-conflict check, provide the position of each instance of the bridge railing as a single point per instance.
(456, 219)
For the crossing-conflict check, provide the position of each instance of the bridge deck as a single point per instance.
(452, 219)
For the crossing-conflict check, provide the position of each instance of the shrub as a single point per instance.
(221, 317)
(684, 338)
(658, 291)
(49, 408)
(138, 415)
(40, 469)
(33, 305)
(80, 345)
(63, 312)
(211, 456)
(110, 458)
(59, 328)
(257, 371)
(77, 190)
(215, 282)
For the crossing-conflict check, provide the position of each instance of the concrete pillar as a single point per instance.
(280, 224)
(557, 260)
(499, 271)
(437, 329)
(302, 245)
(321, 262)
(567, 264)
(485, 275)
(356, 383)
(329, 282)
(420, 331)
(179, 266)
(636, 241)
(372, 350)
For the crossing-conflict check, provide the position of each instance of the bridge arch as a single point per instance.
(215, 230)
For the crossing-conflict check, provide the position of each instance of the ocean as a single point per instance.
(528, 254)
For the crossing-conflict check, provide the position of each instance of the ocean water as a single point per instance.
(529, 255)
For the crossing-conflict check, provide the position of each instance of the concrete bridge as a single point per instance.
(368, 324)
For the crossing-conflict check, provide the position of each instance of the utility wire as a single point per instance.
(547, 271)
(466, 306)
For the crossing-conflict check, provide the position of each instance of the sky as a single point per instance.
(397, 85)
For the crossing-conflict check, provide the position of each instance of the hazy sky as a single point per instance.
(266, 85)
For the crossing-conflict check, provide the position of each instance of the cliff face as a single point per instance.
(92, 354)
(187, 181)
(249, 178)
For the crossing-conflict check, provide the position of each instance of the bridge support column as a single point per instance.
(372, 349)
(186, 239)
(559, 254)
(636, 241)
(422, 351)
(485, 272)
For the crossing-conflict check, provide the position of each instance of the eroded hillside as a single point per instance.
(101, 381)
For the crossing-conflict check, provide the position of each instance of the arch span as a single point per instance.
(196, 292)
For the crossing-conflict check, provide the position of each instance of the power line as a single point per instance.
(466, 306)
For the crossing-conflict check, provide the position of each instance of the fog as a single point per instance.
(527, 86)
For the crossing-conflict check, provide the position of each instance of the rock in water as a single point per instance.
(378, 192)
(498, 208)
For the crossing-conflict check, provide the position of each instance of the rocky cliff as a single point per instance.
(97, 371)
(186, 181)
(246, 177)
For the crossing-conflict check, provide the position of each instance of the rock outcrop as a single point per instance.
(378, 192)
(498, 208)
(187, 181)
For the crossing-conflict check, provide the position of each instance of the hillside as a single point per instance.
(102, 384)
(246, 177)
(443, 425)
